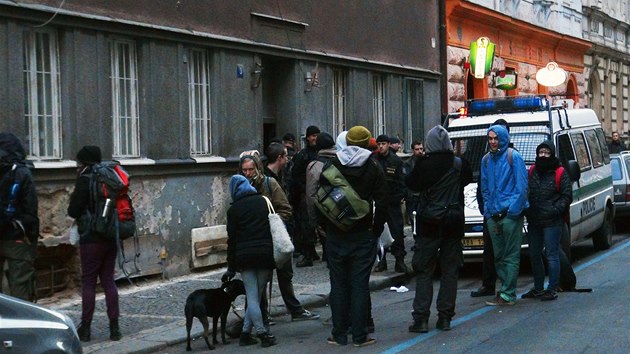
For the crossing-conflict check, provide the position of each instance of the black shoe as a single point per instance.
(400, 266)
(533, 294)
(246, 339)
(304, 262)
(421, 326)
(266, 340)
(548, 295)
(380, 266)
(304, 316)
(114, 330)
(84, 332)
(483, 291)
(367, 341)
(443, 324)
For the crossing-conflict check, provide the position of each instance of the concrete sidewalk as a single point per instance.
(152, 313)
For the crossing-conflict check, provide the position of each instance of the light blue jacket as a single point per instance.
(504, 185)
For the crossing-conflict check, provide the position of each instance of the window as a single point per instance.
(41, 91)
(593, 145)
(124, 76)
(339, 100)
(581, 152)
(413, 123)
(565, 150)
(199, 102)
(378, 104)
(615, 169)
(603, 145)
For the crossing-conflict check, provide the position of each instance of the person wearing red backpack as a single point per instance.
(98, 255)
(550, 196)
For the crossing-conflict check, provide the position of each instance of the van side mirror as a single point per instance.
(573, 169)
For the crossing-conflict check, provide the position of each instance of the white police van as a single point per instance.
(580, 146)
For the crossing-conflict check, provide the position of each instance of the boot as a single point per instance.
(266, 340)
(246, 339)
(114, 330)
(381, 265)
(84, 332)
(306, 261)
(400, 266)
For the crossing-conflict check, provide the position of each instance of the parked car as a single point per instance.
(620, 166)
(29, 328)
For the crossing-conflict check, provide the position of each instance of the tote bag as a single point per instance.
(282, 245)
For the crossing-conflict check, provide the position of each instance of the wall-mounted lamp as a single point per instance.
(257, 75)
(308, 81)
(551, 75)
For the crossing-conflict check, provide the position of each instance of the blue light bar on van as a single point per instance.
(506, 105)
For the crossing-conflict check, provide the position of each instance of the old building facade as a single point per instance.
(527, 35)
(175, 90)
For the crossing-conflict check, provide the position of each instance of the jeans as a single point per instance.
(429, 250)
(507, 235)
(549, 237)
(98, 260)
(350, 260)
(255, 281)
(394, 218)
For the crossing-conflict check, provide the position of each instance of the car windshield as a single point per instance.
(615, 167)
(472, 148)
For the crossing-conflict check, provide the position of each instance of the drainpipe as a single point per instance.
(443, 59)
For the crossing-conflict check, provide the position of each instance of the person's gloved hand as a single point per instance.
(227, 276)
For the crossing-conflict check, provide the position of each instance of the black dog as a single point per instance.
(204, 303)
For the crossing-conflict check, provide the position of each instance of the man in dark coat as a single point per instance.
(19, 224)
(616, 146)
(435, 176)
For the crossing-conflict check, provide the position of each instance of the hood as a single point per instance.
(543, 163)
(549, 145)
(437, 140)
(353, 156)
(240, 186)
(11, 149)
(502, 134)
(341, 141)
(254, 156)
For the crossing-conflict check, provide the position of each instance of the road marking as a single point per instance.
(423, 337)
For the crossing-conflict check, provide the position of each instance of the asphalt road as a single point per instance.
(597, 322)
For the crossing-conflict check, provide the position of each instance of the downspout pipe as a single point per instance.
(443, 58)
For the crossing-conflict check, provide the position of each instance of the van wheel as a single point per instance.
(602, 238)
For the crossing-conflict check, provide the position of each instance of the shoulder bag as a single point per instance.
(282, 245)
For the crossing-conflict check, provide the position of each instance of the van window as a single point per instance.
(593, 145)
(565, 151)
(615, 168)
(603, 145)
(626, 159)
(581, 152)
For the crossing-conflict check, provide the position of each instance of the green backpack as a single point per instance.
(337, 200)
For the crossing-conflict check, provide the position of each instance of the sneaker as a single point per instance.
(548, 295)
(304, 262)
(368, 341)
(499, 301)
(306, 315)
(332, 341)
(532, 294)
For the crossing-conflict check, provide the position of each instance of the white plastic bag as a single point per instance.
(386, 237)
(74, 234)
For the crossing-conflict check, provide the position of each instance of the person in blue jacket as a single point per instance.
(504, 191)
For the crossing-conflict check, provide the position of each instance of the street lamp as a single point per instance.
(551, 75)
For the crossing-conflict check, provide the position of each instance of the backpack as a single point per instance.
(440, 203)
(565, 216)
(114, 216)
(485, 157)
(337, 200)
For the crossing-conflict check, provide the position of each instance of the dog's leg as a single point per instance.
(206, 325)
(223, 321)
(189, 320)
(215, 319)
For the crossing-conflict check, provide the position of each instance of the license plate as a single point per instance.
(472, 242)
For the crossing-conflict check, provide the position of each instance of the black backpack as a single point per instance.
(441, 203)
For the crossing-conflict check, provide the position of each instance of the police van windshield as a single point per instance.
(472, 148)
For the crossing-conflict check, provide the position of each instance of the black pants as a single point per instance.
(488, 271)
(447, 249)
(285, 284)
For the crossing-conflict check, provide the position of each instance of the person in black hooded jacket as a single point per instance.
(547, 205)
(19, 224)
(438, 241)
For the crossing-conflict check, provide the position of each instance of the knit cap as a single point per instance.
(358, 136)
(89, 155)
(324, 141)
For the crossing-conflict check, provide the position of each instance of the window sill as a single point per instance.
(54, 164)
(136, 162)
(208, 159)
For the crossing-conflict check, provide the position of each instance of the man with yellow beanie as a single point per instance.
(351, 254)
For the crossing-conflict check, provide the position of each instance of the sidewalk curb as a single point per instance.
(160, 337)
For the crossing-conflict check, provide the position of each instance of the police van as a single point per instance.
(580, 146)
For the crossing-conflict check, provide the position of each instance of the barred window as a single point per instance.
(42, 95)
(199, 102)
(339, 100)
(378, 105)
(124, 78)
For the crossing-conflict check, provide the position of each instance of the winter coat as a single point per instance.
(271, 189)
(392, 165)
(249, 237)
(25, 204)
(504, 184)
(366, 177)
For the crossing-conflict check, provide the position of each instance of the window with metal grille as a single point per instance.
(42, 95)
(199, 102)
(378, 105)
(339, 100)
(124, 78)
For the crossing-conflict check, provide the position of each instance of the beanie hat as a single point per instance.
(312, 130)
(373, 145)
(289, 137)
(394, 140)
(358, 136)
(324, 141)
(437, 140)
(89, 155)
(382, 138)
(341, 142)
